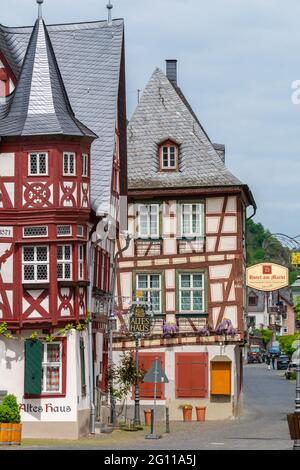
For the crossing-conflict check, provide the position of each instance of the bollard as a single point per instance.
(167, 421)
(152, 422)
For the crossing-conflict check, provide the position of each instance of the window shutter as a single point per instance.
(82, 366)
(192, 375)
(147, 389)
(33, 367)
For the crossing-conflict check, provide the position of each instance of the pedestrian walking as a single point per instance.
(268, 362)
(273, 362)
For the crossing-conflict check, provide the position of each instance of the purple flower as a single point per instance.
(170, 328)
(205, 331)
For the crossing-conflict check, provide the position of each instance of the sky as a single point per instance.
(237, 61)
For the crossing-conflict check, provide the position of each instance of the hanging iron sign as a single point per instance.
(140, 321)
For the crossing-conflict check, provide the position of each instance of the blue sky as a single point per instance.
(237, 60)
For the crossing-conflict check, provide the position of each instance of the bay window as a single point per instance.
(64, 262)
(191, 293)
(35, 264)
(69, 164)
(38, 164)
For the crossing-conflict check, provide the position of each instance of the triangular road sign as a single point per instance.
(156, 374)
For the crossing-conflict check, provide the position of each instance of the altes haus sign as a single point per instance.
(267, 277)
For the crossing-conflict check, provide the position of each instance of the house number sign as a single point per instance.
(6, 232)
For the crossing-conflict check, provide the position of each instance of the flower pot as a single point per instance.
(147, 414)
(10, 433)
(187, 414)
(200, 412)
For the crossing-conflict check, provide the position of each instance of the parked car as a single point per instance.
(292, 367)
(283, 362)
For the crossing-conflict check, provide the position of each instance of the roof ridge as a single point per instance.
(61, 24)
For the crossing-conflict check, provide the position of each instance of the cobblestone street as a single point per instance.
(268, 398)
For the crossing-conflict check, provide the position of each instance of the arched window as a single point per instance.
(168, 154)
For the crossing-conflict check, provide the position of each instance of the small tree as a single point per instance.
(122, 377)
(297, 308)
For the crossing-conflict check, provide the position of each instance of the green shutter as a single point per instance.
(33, 367)
(82, 366)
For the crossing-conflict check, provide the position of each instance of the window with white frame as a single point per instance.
(169, 157)
(85, 165)
(52, 368)
(150, 285)
(191, 293)
(64, 262)
(148, 221)
(69, 164)
(38, 164)
(64, 230)
(81, 262)
(35, 264)
(35, 231)
(191, 220)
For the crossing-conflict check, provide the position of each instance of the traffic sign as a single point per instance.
(156, 374)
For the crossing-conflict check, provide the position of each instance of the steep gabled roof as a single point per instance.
(89, 59)
(40, 105)
(163, 110)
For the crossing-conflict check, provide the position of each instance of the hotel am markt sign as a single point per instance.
(267, 277)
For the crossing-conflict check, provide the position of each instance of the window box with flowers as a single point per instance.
(170, 329)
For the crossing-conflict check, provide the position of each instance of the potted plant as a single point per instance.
(200, 413)
(10, 421)
(148, 414)
(187, 412)
(169, 329)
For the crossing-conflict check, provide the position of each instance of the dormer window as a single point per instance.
(169, 156)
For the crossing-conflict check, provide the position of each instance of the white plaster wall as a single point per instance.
(7, 267)
(7, 164)
(12, 380)
(214, 205)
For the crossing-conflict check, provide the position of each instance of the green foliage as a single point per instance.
(34, 336)
(297, 308)
(265, 334)
(122, 377)
(274, 251)
(286, 343)
(9, 410)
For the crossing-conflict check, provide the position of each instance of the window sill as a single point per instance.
(46, 395)
(192, 314)
(36, 285)
(66, 283)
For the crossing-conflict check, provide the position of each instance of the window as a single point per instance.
(80, 231)
(191, 293)
(38, 164)
(253, 300)
(64, 230)
(150, 285)
(148, 221)
(191, 220)
(80, 262)
(31, 232)
(35, 264)
(52, 368)
(69, 168)
(146, 361)
(191, 375)
(85, 165)
(64, 262)
(169, 156)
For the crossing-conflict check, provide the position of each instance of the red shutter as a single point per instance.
(147, 389)
(191, 375)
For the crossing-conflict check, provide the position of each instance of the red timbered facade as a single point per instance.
(60, 177)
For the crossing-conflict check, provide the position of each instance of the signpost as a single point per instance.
(155, 375)
(140, 323)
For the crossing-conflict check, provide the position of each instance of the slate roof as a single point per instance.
(164, 113)
(40, 105)
(89, 58)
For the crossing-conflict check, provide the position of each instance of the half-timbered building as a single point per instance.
(62, 150)
(186, 214)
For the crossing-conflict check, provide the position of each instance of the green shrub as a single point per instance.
(293, 376)
(9, 410)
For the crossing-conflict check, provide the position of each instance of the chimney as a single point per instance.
(172, 71)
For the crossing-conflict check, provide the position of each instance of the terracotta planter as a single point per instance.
(10, 434)
(200, 412)
(187, 414)
(147, 414)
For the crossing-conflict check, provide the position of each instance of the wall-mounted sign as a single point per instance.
(267, 277)
(295, 258)
(6, 232)
(140, 321)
